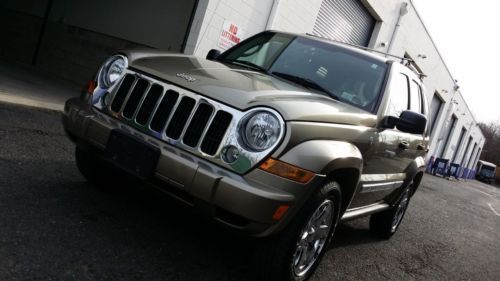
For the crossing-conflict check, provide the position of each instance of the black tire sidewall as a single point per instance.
(330, 191)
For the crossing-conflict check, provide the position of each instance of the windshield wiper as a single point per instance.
(306, 82)
(247, 64)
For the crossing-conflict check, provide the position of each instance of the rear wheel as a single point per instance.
(296, 252)
(386, 223)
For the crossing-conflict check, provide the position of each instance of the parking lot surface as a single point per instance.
(56, 226)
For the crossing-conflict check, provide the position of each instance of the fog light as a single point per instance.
(230, 154)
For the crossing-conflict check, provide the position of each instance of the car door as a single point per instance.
(392, 150)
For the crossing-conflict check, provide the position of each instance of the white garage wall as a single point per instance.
(250, 15)
(296, 15)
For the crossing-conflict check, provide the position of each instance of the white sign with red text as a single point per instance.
(231, 35)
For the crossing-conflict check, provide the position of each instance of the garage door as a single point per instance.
(71, 38)
(344, 20)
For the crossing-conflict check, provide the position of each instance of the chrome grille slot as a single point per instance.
(216, 132)
(135, 98)
(163, 111)
(197, 125)
(180, 117)
(148, 104)
(122, 92)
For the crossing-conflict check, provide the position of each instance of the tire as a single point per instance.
(295, 253)
(386, 223)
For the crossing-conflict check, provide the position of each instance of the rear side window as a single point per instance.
(415, 97)
(398, 101)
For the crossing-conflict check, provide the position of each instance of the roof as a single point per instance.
(487, 163)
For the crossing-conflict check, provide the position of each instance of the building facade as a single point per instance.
(70, 38)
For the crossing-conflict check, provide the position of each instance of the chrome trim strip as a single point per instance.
(155, 108)
(382, 177)
(139, 105)
(125, 100)
(205, 130)
(190, 118)
(363, 211)
(371, 187)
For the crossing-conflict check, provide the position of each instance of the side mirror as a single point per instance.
(409, 122)
(213, 54)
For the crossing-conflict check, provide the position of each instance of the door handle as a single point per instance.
(404, 145)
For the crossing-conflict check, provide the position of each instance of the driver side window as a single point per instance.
(398, 101)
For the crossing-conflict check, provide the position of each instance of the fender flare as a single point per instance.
(324, 156)
(416, 166)
(341, 159)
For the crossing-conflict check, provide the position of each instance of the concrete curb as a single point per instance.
(6, 98)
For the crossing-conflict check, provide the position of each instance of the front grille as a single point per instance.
(122, 92)
(164, 109)
(197, 124)
(134, 98)
(181, 115)
(176, 116)
(216, 132)
(148, 105)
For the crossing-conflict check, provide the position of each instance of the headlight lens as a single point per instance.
(261, 130)
(112, 70)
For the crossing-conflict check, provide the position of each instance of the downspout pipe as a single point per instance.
(272, 14)
(403, 10)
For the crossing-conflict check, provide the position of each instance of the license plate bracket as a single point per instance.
(132, 154)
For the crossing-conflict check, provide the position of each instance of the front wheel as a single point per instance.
(297, 251)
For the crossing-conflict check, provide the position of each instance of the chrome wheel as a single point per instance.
(313, 238)
(400, 211)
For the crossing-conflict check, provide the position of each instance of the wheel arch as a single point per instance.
(336, 160)
(348, 179)
(415, 172)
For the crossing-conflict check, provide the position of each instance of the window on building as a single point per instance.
(399, 95)
(459, 144)
(446, 143)
(434, 110)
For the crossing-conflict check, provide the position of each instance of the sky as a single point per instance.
(467, 34)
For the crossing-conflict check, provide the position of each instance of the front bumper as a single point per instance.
(244, 202)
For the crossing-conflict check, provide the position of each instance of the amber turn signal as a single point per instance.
(90, 87)
(286, 170)
(280, 212)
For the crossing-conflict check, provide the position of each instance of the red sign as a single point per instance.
(230, 35)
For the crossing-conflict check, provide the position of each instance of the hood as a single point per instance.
(243, 89)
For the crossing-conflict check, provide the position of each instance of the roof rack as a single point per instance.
(403, 59)
(406, 61)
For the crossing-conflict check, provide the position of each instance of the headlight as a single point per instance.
(112, 70)
(260, 130)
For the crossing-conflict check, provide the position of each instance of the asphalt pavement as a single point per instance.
(56, 226)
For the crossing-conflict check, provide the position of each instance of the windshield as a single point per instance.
(487, 172)
(337, 72)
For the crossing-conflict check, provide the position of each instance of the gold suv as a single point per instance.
(282, 136)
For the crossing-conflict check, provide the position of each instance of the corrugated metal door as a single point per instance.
(344, 20)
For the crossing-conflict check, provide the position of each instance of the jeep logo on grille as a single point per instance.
(186, 77)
